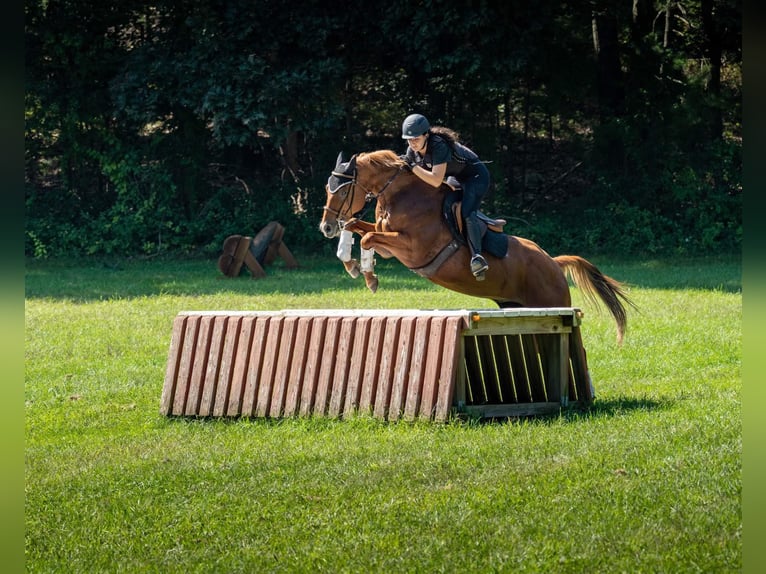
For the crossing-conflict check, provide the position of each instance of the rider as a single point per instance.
(434, 153)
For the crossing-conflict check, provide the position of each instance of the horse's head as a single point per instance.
(343, 199)
(354, 183)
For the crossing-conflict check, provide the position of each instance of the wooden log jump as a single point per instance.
(255, 252)
(403, 364)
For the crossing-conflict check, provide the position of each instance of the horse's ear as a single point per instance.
(351, 164)
(339, 160)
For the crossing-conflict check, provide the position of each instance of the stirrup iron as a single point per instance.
(478, 267)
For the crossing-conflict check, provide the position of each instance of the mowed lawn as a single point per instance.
(648, 479)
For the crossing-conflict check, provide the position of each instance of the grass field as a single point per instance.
(646, 480)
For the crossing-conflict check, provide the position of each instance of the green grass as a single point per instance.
(646, 480)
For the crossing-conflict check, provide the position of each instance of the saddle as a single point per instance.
(495, 225)
(493, 240)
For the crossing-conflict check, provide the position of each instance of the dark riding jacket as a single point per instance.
(462, 163)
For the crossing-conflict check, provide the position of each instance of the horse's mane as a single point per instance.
(380, 158)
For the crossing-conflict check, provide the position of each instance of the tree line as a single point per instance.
(610, 127)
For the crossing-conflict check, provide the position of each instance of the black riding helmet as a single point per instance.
(414, 125)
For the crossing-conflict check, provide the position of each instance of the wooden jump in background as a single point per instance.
(255, 253)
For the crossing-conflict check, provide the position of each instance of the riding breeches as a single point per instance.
(474, 189)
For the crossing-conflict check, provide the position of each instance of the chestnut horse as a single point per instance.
(410, 227)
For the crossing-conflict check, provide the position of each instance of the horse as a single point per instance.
(410, 226)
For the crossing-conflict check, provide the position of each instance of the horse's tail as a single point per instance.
(594, 285)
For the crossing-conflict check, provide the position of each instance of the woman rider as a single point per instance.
(435, 153)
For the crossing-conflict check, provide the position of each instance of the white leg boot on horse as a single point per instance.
(345, 243)
(368, 269)
(473, 234)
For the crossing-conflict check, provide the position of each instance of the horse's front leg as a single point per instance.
(343, 253)
(358, 226)
(353, 267)
(381, 241)
(368, 268)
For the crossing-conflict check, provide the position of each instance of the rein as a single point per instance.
(369, 196)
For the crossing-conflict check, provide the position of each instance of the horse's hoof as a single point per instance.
(353, 268)
(372, 282)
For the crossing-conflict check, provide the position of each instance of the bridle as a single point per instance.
(347, 190)
(345, 187)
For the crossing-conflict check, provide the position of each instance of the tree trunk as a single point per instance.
(610, 88)
(524, 148)
(643, 16)
(508, 147)
(713, 50)
(611, 95)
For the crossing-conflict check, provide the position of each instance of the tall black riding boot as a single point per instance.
(473, 234)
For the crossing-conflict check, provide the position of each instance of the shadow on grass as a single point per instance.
(619, 406)
(598, 409)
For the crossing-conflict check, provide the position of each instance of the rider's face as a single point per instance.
(418, 144)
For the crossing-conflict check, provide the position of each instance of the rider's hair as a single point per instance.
(450, 135)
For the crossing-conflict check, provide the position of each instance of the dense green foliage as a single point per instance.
(611, 127)
(648, 479)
